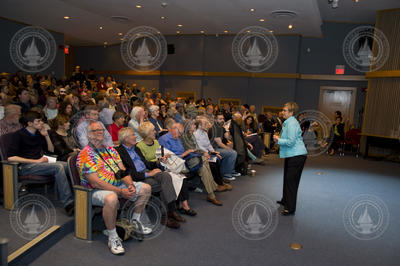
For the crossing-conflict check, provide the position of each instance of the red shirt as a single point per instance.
(114, 129)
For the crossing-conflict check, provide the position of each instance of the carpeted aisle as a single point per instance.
(327, 185)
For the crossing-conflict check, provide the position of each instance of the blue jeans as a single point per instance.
(51, 169)
(227, 165)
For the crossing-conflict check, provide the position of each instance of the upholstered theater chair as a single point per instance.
(11, 180)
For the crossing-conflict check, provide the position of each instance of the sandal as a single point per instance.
(189, 212)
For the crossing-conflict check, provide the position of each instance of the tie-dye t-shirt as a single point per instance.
(89, 161)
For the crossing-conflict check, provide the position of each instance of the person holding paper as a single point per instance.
(135, 164)
(28, 148)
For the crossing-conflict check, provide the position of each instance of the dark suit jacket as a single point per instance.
(130, 166)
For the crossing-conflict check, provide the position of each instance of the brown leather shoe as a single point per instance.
(176, 217)
(214, 201)
(169, 222)
(221, 188)
(228, 187)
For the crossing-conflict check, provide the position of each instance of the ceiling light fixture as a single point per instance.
(120, 33)
(202, 31)
(252, 10)
(138, 6)
(66, 17)
(163, 17)
(100, 27)
(271, 31)
(261, 19)
(225, 31)
(178, 31)
(179, 25)
(290, 26)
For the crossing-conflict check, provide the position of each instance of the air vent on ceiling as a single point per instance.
(120, 19)
(283, 14)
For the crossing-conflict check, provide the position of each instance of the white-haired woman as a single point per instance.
(154, 111)
(148, 147)
(137, 117)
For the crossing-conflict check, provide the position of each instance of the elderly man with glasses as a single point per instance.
(101, 168)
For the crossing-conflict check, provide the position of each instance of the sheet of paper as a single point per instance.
(51, 159)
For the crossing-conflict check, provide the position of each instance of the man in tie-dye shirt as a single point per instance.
(98, 166)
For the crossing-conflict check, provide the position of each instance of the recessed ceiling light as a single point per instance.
(100, 27)
(178, 31)
(162, 17)
(290, 26)
(261, 19)
(179, 25)
(66, 17)
(252, 10)
(202, 31)
(138, 6)
(225, 31)
(120, 33)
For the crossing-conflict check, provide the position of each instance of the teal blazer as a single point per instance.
(291, 142)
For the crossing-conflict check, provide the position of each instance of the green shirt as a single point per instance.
(149, 151)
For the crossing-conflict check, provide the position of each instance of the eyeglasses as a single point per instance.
(97, 130)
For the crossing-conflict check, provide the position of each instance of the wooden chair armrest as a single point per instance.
(79, 187)
(9, 162)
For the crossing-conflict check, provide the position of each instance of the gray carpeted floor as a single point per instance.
(327, 185)
(16, 240)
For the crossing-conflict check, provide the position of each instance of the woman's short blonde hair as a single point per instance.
(292, 107)
(145, 129)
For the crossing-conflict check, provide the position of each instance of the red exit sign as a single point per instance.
(339, 70)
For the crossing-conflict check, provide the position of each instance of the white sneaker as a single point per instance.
(229, 177)
(235, 174)
(198, 190)
(140, 228)
(115, 245)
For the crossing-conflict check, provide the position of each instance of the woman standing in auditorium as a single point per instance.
(294, 152)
